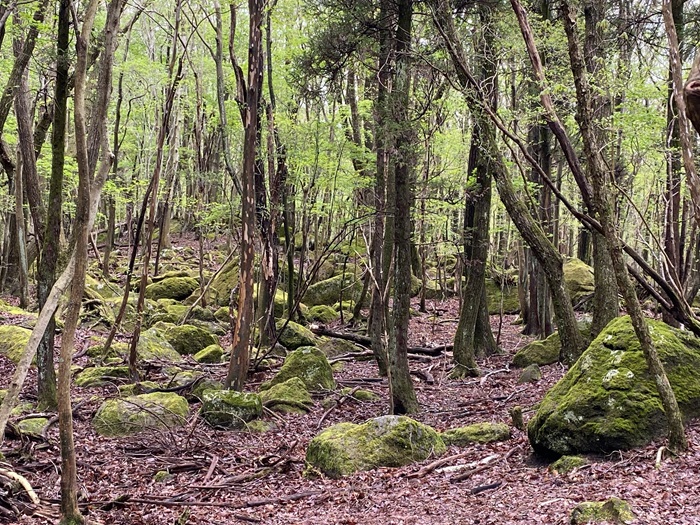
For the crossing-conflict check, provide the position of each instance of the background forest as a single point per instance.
(234, 183)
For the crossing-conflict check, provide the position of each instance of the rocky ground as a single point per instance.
(197, 475)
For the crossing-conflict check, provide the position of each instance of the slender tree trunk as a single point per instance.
(403, 395)
(240, 352)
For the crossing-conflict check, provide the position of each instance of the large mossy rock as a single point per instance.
(226, 280)
(230, 409)
(322, 313)
(477, 433)
(578, 277)
(134, 414)
(310, 365)
(290, 397)
(13, 339)
(387, 441)
(294, 335)
(608, 400)
(154, 347)
(502, 298)
(546, 351)
(329, 291)
(177, 288)
(187, 339)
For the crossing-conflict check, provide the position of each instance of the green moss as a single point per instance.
(328, 292)
(222, 315)
(220, 288)
(288, 397)
(608, 400)
(360, 395)
(612, 510)
(477, 433)
(530, 374)
(34, 425)
(388, 441)
(566, 464)
(177, 288)
(154, 347)
(13, 339)
(210, 354)
(204, 385)
(161, 476)
(508, 296)
(187, 339)
(229, 409)
(308, 364)
(132, 389)
(322, 313)
(101, 375)
(578, 278)
(131, 415)
(294, 335)
(545, 351)
(259, 426)
(347, 305)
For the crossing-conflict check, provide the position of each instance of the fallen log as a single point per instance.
(366, 341)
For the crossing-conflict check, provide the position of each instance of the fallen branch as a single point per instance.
(487, 465)
(12, 475)
(435, 465)
(366, 341)
(483, 488)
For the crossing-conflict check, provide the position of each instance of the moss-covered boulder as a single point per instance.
(226, 280)
(334, 347)
(177, 288)
(294, 335)
(476, 433)
(329, 291)
(288, 397)
(322, 313)
(387, 441)
(502, 298)
(612, 510)
(13, 339)
(530, 374)
(134, 414)
(230, 409)
(101, 375)
(210, 354)
(546, 351)
(608, 400)
(566, 464)
(578, 277)
(33, 425)
(310, 365)
(187, 339)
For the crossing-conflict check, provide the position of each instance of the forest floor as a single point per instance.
(219, 477)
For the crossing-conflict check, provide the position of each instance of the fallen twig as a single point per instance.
(11, 474)
(435, 465)
(483, 488)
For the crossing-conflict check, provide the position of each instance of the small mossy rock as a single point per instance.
(329, 291)
(310, 365)
(566, 464)
(613, 510)
(206, 384)
(294, 335)
(505, 298)
(530, 374)
(476, 433)
(177, 288)
(98, 289)
(182, 378)
(578, 278)
(222, 314)
(210, 354)
(387, 441)
(101, 375)
(260, 426)
(608, 400)
(161, 476)
(546, 351)
(13, 339)
(230, 409)
(290, 397)
(187, 339)
(132, 389)
(346, 306)
(360, 394)
(34, 425)
(221, 286)
(154, 347)
(169, 274)
(134, 414)
(334, 347)
(322, 313)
